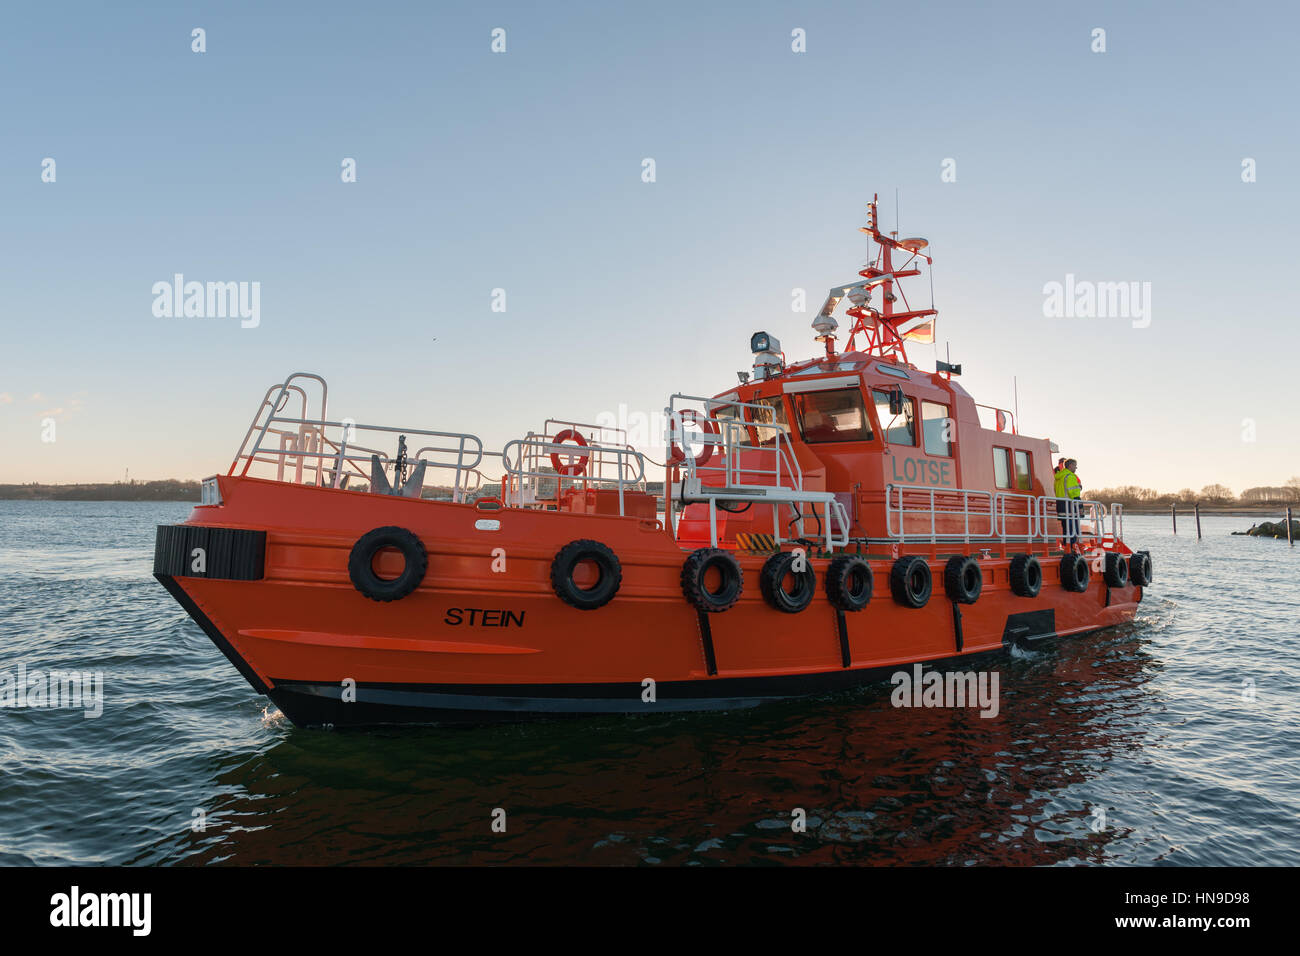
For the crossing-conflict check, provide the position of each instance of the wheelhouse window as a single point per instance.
(770, 420)
(831, 416)
(936, 426)
(1002, 467)
(725, 412)
(899, 429)
(1024, 477)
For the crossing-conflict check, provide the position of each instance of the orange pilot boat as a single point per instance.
(823, 524)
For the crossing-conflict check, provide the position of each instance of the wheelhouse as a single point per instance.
(888, 451)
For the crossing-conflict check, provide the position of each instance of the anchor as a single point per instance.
(402, 485)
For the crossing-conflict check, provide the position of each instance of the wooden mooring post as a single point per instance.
(1196, 509)
(1290, 535)
(1173, 513)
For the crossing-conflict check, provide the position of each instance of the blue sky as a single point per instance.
(522, 171)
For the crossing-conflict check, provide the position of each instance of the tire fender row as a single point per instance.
(587, 574)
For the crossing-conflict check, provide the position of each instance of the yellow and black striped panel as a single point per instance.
(756, 542)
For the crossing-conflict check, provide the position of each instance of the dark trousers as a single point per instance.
(1069, 525)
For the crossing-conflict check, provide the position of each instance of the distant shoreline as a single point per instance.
(170, 490)
(188, 491)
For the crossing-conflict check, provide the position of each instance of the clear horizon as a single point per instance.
(523, 170)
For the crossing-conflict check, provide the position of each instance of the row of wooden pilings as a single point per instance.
(1196, 510)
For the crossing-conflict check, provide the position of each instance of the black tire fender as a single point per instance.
(566, 563)
(771, 582)
(1116, 573)
(697, 566)
(1074, 573)
(963, 579)
(849, 582)
(1026, 575)
(910, 581)
(1139, 568)
(361, 563)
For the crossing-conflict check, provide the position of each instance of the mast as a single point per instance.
(881, 327)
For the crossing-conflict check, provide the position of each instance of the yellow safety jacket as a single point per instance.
(1068, 484)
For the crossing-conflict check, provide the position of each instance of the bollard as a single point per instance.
(1173, 512)
(1196, 509)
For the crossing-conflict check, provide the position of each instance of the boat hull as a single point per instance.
(485, 638)
(321, 705)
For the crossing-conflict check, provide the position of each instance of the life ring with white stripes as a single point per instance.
(706, 425)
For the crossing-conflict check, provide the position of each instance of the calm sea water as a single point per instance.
(1146, 723)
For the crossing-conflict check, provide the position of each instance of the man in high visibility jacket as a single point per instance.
(1068, 489)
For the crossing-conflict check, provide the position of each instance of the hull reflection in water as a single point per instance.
(878, 784)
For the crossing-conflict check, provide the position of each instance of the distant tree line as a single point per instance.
(169, 490)
(1132, 495)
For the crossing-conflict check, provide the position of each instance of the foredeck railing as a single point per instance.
(306, 449)
(310, 451)
(530, 482)
(316, 450)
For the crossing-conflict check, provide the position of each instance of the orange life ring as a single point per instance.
(708, 427)
(573, 468)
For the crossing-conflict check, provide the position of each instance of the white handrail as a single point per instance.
(1039, 514)
(965, 495)
(521, 458)
(1076, 511)
(729, 443)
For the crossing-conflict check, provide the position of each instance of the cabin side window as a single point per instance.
(899, 429)
(1001, 467)
(936, 427)
(837, 415)
(1024, 476)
